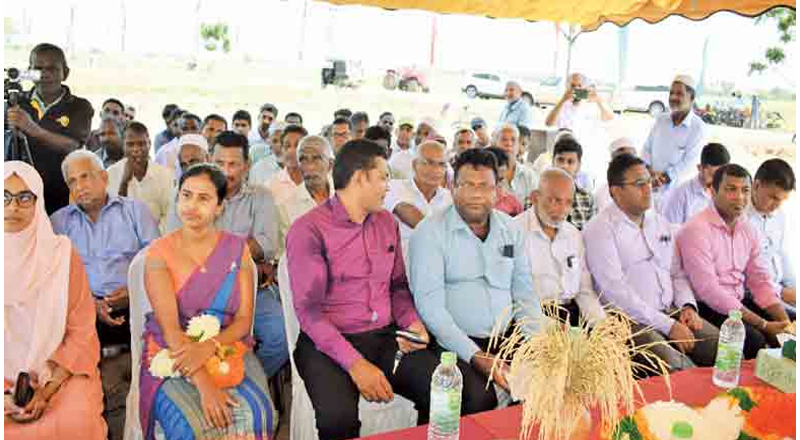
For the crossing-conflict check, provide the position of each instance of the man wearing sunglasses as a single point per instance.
(631, 254)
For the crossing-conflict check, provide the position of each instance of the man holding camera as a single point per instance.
(570, 112)
(54, 121)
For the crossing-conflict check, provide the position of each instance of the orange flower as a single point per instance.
(773, 418)
(226, 368)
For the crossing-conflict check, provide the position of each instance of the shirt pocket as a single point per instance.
(499, 272)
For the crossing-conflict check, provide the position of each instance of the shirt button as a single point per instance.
(374, 316)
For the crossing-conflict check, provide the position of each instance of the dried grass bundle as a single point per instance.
(563, 371)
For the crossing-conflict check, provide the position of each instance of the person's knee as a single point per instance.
(338, 421)
(477, 397)
(754, 341)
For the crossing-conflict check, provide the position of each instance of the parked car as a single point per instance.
(651, 99)
(490, 85)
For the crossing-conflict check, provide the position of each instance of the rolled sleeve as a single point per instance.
(698, 261)
(765, 292)
(427, 267)
(304, 250)
(395, 196)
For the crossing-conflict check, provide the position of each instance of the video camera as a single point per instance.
(15, 142)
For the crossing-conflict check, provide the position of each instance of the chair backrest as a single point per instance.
(139, 308)
(289, 316)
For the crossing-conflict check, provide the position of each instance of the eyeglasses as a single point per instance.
(639, 184)
(432, 163)
(25, 199)
(483, 188)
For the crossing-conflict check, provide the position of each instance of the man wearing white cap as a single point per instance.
(623, 145)
(400, 160)
(192, 150)
(673, 147)
(139, 178)
(516, 110)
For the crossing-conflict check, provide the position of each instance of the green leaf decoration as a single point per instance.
(627, 426)
(745, 402)
(744, 436)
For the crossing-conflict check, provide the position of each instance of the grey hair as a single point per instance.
(438, 145)
(77, 155)
(554, 173)
(504, 127)
(315, 141)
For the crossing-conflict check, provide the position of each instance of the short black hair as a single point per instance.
(269, 108)
(567, 144)
(342, 113)
(168, 110)
(499, 154)
(376, 132)
(136, 127)
(214, 174)
(359, 117)
(49, 48)
(242, 115)
(714, 155)
(113, 101)
(232, 139)
(293, 114)
(385, 114)
(176, 114)
(523, 131)
(215, 117)
(340, 121)
(293, 128)
(618, 166)
(776, 172)
(188, 115)
(476, 157)
(731, 169)
(354, 156)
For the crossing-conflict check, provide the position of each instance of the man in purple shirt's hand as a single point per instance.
(351, 294)
(722, 256)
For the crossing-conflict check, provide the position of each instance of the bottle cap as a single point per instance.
(735, 314)
(449, 358)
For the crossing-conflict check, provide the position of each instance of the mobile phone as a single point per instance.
(410, 336)
(579, 94)
(23, 391)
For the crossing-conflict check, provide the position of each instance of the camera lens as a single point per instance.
(13, 73)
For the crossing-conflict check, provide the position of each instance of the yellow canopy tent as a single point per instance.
(589, 14)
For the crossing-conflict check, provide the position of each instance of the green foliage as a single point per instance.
(744, 436)
(627, 426)
(787, 21)
(215, 35)
(745, 402)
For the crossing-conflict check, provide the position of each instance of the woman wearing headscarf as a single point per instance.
(49, 330)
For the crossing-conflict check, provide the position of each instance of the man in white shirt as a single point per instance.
(400, 160)
(192, 151)
(259, 138)
(773, 183)
(167, 155)
(316, 163)
(268, 165)
(632, 256)
(675, 140)
(516, 111)
(139, 178)
(289, 178)
(521, 178)
(694, 195)
(572, 112)
(555, 250)
(410, 200)
(623, 145)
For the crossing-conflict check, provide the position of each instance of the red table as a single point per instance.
(693, 387)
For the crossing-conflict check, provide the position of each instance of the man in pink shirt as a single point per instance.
(722, 257)
(351, 294)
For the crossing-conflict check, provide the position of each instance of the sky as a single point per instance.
(276, 30)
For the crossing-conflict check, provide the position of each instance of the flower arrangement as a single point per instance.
(561, 372)
(226, 366)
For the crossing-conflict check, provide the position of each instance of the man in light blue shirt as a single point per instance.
(694, 195)
(468, 268)
(108, 231)
(773, 183)
(516, 111)
(673, 146)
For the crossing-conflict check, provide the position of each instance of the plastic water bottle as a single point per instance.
(729, 351)
(446, 386)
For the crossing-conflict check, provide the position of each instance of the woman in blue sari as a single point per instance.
(199, 270)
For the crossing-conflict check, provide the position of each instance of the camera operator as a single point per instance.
(570, 110)
(54, 121)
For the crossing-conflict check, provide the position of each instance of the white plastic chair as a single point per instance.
(139, 306)
(375, 417)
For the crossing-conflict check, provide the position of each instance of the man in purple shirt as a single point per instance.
(351, 294)
(722, 257)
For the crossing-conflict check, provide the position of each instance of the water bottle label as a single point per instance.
(446, 410)
(728, 358)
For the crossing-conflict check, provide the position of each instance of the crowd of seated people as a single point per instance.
(383, 228)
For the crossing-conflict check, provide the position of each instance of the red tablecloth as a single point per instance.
(693, 387)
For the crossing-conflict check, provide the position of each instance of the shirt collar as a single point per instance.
(619, 217)
(713, 217)
(243, 192)
(112, 200)
(438, 192)
(65, 94)
(687, 122)
(305, 194)
(339, 213)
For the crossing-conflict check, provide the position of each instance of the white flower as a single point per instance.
(162, 365)
(203, 327)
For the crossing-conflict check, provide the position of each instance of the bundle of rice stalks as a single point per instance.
(560, 372)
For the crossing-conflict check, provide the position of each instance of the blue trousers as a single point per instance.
(269, 330)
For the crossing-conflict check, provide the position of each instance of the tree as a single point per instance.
(214, 36)
(773, 56)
